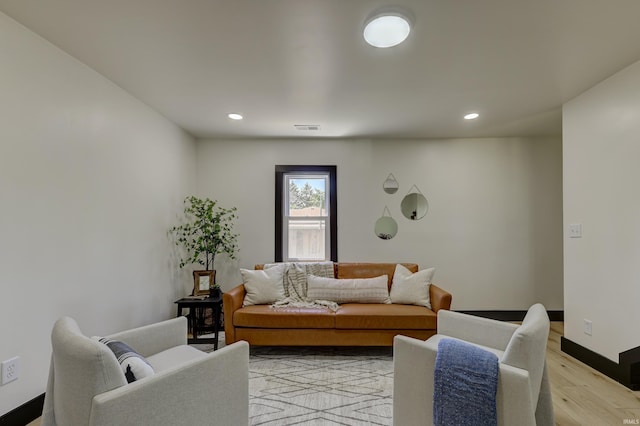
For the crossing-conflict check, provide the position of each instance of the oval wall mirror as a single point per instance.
(386, 227)
(414, 205)
(390, 185)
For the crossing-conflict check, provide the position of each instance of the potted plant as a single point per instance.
(207, 231)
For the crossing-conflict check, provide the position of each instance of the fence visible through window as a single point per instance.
(306, 217)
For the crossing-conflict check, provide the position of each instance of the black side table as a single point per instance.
(196, 318)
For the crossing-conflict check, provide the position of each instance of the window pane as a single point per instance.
(307, 239)
(307, 196)
(306, 211)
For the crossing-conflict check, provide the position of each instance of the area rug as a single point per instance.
(319, 385)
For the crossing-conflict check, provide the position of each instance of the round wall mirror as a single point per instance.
(386, 228)
(390, 186)
(414, 206)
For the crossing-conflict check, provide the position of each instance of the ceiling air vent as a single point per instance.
(313, 127)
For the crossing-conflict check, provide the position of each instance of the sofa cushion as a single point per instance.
(411, 288)
(262, 316)
(265, 286)
(174, 357)
(350, 290)
(385, 317)
(369, 270)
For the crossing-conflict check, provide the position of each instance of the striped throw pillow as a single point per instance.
(351, 290)
(134, 366)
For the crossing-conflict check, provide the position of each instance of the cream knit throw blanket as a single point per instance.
(295, 285)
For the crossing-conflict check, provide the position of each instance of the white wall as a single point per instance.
(493, 231)
(601, 175)
(90, 181)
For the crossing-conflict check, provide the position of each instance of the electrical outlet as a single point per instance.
(588, 327)
(10, 370)
(575, 230)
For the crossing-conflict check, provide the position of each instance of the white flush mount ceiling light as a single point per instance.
(387, 27)
(235, 116)
(471, 116)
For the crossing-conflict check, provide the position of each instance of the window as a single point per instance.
(306, 212)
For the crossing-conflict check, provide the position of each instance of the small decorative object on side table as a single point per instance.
(203, 281)
(196, 316)
(215, 291)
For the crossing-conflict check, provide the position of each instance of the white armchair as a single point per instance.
(88, 387)
(524, 395)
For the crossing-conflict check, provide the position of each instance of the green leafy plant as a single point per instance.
(208, 231)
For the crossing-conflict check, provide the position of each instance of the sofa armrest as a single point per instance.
(413, 365)
(440, 299)
(151, 339)
(514, 401)
(231, 301)
(482, 331)
(215, 386)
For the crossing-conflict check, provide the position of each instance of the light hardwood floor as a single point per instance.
(581, 395)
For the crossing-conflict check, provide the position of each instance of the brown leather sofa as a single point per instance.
(352, 324)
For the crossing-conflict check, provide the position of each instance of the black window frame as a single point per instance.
(281, 170)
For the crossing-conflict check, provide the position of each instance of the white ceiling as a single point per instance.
(287, 62)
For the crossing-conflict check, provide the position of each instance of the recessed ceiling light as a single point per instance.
(471, 116)
(387, 27)
(235, 116)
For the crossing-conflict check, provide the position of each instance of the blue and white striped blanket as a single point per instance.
(465, 385)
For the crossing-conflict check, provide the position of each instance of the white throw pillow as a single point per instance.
(410, 288)
(263, 286)
(355, 290)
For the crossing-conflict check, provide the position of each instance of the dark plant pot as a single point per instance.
(215, 292)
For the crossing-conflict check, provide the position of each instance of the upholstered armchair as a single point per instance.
(523, 395)
(87, 384)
